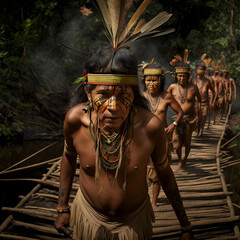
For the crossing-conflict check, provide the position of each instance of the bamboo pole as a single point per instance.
(30, 166)
(197, 224)
(45, 229)
(229, 201)
(223, 145)
(51, 195)
(36, 188)
(17, 237)
(45, 182)
(25, 159)
(32, 212)
(236, 205)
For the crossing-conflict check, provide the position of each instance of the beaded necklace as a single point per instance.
(109, 148)
(201, 88)
(154, 102)
(182, 96)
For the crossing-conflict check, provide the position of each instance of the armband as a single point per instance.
(175, 123)
(63, 210)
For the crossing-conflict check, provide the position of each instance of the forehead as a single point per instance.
(182, 75)
(113, 87)
(153, 78)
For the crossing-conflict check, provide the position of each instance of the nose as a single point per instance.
(112, 103)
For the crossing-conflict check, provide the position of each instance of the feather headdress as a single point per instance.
(181, 64)
(207, 62)
(200, 65)
(121, 33)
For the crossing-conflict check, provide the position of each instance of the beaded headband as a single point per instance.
(182, 70)
(112, 79)
(153, 71)
(120, 32)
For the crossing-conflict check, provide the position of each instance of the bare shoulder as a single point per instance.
(167, 96)
(75, 116)
(172, 86)
(192, 86)
(148, 121)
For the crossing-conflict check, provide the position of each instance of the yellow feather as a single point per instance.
(178, 57)
(105, 14)
(186, 54)
(139, 26)
(134, 19)
(114, 11)
(203, 56)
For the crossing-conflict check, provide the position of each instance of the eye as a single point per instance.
(124, 93)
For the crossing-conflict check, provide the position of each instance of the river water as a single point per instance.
(13, 153)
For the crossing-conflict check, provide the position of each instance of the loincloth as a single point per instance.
(205, 108)
(152, 176)
(87, 223)
(183, 131)
(220, 101)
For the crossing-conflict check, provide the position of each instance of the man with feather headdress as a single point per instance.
(204, 86)
(209, 75)
(221, 92)
(159, 100)
(114, 134)
(229, 84)
(186, 93)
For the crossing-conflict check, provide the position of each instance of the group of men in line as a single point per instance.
(194, 97)
(122, 138)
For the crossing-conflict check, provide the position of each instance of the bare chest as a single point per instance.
(135, 154)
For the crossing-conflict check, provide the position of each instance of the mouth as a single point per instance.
(111, 117)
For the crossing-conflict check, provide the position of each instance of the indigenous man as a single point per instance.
(229, 83)
(215, 78)
(114, 136)
(159, 100)
(204, 85)
(185, 93)
(208, 75)
(222, 92)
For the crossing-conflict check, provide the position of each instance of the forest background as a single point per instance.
(43, 44)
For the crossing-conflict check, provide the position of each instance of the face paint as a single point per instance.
(98, 102)
(152, 83)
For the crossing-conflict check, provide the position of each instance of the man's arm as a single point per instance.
(177, 108)
(213, 96)
(67, 171)
(168, 181)
(232, 83)
(199, 115)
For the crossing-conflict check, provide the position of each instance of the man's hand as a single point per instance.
(170, 128)
(61, 224)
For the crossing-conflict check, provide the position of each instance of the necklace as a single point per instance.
(182, 96)
(201, 88)
(111, 146)
(154, 102)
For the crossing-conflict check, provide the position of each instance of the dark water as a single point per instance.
(13, 153)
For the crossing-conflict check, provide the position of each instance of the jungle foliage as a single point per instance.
(43, 44)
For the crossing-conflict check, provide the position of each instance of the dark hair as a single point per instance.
(201, 64)
(153, 65)
(102, 58)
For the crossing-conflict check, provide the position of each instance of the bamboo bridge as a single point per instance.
(202, 186)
